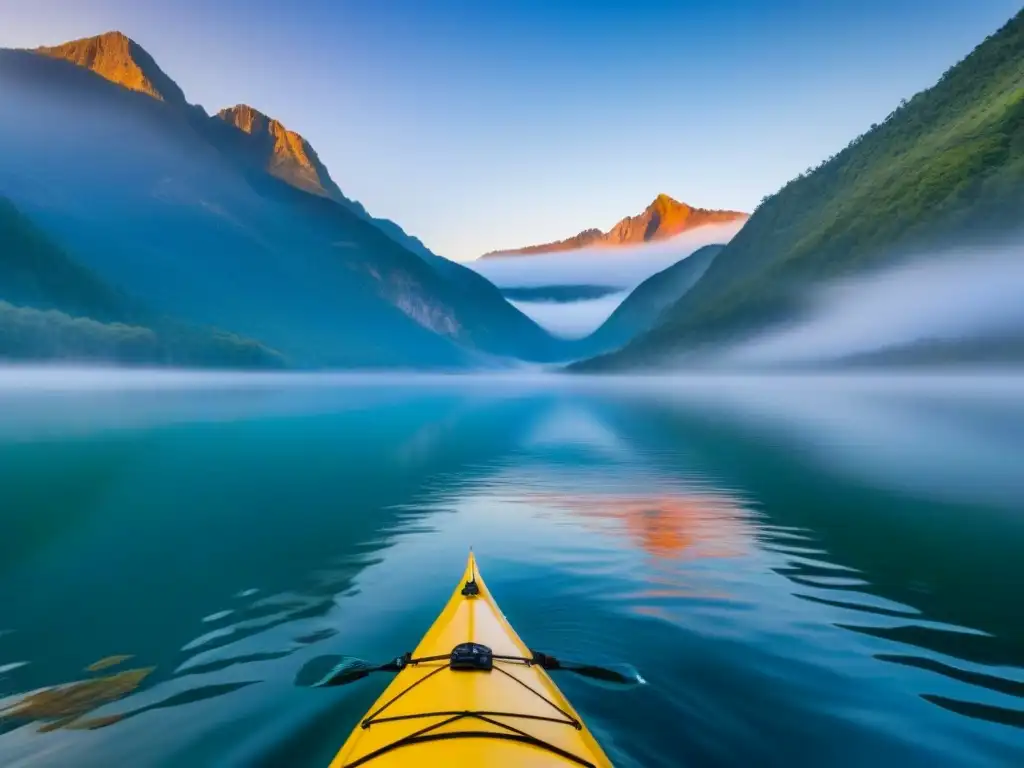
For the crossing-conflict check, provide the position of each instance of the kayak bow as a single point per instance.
(471, 694)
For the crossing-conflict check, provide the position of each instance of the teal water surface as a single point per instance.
(806, 571)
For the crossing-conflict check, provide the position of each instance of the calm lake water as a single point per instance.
(806, 571)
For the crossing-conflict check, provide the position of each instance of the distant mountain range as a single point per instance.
(945, 167)
(215, 227)
(663, 219)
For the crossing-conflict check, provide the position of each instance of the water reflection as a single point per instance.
(275, 510)
(779, 561)
(691, 525)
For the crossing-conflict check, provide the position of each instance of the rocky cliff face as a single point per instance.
(120, 60)
(662, 219)
(287, 155)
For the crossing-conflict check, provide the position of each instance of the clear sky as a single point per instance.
(478, 125)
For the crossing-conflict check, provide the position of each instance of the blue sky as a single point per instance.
(479, 125)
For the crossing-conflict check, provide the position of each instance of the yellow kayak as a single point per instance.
(471, 694)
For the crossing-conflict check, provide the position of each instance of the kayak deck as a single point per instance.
(510, 715)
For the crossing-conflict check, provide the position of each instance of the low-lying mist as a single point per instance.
(618, 269)
(571, 319)
(952, 301)
(622, 267)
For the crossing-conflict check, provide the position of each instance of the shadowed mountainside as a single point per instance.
(34, 271)
(53, 308)
(643, 307)
(179, 211)
(287, 155)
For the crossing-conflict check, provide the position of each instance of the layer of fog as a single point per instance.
(959, 295)
(952, 435)
(61, 379)
(50, 401)
(53, 392)
(623, 268)
(571, 319)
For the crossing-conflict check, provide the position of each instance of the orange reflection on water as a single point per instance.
(691, 525)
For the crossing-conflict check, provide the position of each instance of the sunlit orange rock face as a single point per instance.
(667, 526)
(662, 219)
(120, 60)
(289, 157)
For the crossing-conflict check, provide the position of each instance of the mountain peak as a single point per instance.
(113, 37)
(665, 205)
(119, 59)
(664, 218)
(284, 153)
(248, 119)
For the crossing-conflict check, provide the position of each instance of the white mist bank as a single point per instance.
(959, 295)
(571, 319)
(622, 267)
(960, 430)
